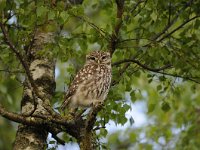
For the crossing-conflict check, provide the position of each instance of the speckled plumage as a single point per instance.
(92, 82)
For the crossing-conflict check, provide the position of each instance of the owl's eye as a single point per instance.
(92, 58)
(104, 57)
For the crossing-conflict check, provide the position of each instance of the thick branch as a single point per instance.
(86, 138)
(33, 120)
(53, 124)
(22, 59)
(16, 52)
(114, 36)
(19, 118)
(92, 117)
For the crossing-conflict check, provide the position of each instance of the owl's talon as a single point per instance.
(98, 104)
(72, 114)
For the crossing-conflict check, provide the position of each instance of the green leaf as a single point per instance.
(2, 4)
(133, 97)
(162, 78)
(165, 106)
(151, 107)
(41, 11)
(52, 142)
(154, 16)
(64, 15)
(132, 137)
(51, 15)
(159, 87)
(103, 132)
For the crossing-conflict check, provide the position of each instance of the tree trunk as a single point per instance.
(30, 138)
(85, 142)
(42, 73)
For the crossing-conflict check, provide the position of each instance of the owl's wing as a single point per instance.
(85, 73)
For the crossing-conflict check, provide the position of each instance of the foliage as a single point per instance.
(157, 53)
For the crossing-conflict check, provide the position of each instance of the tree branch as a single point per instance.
(58, 139)
(173, 20)
(123, 70)
(145, 2)
(16, 52)
(34, 120)
(18, 118)
(114, 36)
(101, 31)
(133, 39)
(52, 123)
(11, 71)
(156, 70)
(179, 76)
(92, 117)
(22, 59)
(141, 65)
(180, 26)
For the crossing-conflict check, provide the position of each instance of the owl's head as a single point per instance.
(98, 57)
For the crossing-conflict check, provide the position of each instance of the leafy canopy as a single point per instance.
(156, 61)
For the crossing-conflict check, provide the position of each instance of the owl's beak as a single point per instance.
(98, 61)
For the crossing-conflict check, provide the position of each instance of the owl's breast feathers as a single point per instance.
(90, 78)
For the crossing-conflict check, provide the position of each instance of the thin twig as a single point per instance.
(11, 71)
(134, 39)
(97, 128)
(98, 29)
(145, 2)
(173, 20)
(142, 65)
(180, 26)
(60, 141)
(179, 76)
(134, 8)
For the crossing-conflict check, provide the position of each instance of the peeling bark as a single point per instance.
(30, 138)
(42, 73)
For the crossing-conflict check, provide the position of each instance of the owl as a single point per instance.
(91, 84)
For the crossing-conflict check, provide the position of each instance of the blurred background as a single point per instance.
(145, 109)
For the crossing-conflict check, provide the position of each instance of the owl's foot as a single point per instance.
(98, 103)
(80, 114)
(72, 112)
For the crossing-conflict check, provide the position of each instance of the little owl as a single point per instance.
(91, 85)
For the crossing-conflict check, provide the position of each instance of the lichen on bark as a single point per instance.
(42, 72)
